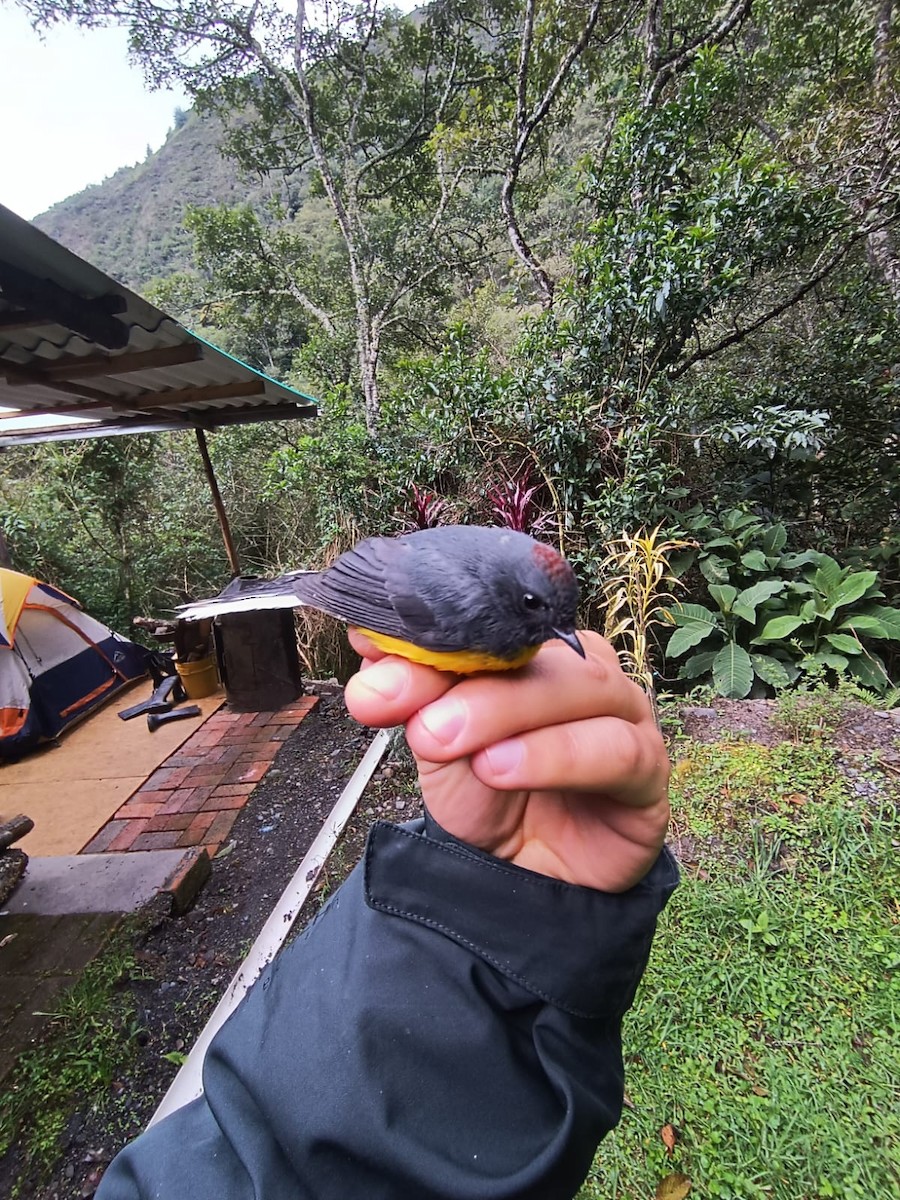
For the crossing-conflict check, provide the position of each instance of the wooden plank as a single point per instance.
(218, 504)
(14, 829)
(215, 418)
(73, 367)
(197, 395)
(144, 402)
(24, 377)
(210, 418)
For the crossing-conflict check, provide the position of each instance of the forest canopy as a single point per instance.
(590, 269)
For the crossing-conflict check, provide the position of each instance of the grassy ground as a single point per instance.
(764, 1043)
(93, 1029)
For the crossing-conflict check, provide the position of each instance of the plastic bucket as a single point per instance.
(199, 678)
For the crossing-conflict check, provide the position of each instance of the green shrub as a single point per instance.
(776, 615)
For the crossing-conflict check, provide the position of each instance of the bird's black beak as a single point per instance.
(570, 637)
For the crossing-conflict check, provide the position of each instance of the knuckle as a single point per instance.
(630, 751)
(598, 667)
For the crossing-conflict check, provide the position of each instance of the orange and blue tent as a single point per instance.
(56, 663)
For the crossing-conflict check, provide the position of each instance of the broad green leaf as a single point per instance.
(681, 562)
(715, 569)
(734, 519)
(828, 574)
(692, 614)
(686, 637)
(774, 539)
(764, 590)
(754, 560)
(889, 618)
(723, 594)
(844, 643)
(772, 671)
(778, 628)
(791, 562)
(715, 543)
(852, 588)
(869, 670)
(867, 624)
(733, 672)
(699, 664)
(823, 658)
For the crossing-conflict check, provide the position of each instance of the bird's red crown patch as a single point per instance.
(551, 562)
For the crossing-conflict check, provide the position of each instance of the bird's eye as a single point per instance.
(532, 602)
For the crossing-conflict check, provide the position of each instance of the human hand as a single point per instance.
(558, 767)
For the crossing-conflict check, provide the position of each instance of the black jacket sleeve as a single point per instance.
(446, 1029)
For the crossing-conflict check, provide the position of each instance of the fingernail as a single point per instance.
(444, 720)
(504, 757)
(386, 679)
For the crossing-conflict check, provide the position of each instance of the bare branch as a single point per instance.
(526, 125)
(740, 334)
(881, 52)
(652, 36)
(523, 65)
(673, 63)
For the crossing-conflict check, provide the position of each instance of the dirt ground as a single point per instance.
(186, 962)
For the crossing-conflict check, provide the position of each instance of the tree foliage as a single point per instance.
(634, 260)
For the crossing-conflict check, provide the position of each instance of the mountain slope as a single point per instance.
(132, 224)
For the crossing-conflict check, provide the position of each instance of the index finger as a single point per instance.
(556, 688)
(387, 689)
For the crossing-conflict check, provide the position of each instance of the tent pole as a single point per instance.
(217, 503)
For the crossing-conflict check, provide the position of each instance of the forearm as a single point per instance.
(448, 1028)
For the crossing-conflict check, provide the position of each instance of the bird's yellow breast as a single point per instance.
(460, 662)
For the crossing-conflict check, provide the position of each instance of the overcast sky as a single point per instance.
(73, 109)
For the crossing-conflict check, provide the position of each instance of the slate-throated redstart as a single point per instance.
(462, 598)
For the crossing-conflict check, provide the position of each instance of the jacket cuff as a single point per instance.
(581, 950)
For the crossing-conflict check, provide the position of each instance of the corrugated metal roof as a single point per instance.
(81, 355)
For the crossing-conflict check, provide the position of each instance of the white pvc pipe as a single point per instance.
(188, 1083)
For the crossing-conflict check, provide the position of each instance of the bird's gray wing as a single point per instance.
(370, 586)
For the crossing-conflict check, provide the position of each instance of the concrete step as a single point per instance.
(108, 883)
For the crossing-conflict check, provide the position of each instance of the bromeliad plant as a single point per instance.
(779, 615)
(425, 510)
(514, 504)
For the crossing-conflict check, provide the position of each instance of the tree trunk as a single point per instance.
(523, 251)
(368, 348)
(881, 251)
(881, 247)
(882, 52)
(368, 367)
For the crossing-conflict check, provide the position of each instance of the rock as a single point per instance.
(71, 1135)
(12, 868)
(693, 710)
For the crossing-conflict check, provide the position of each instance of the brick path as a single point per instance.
(193, 798)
